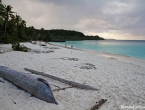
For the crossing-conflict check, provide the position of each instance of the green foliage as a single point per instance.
(16, 46)
(63, 35)
(7, 14)
(57, 35)
(1, 52)
(13, 29)
(1, 21)
(1, 26)
(7, 39)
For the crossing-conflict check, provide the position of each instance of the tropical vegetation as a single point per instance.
(16, 46)
(13, 29)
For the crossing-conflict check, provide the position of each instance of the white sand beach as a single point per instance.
(120, 79)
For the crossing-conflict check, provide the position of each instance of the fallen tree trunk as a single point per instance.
(36, 86)
(71, 83)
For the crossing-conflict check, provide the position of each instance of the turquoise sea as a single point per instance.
(132, 48)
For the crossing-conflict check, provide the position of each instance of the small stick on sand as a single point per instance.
(54, 85)
(96, 106)
(62, 88)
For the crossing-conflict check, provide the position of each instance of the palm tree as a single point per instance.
(1, 21)
(7, 13)
(18, 20)
(12, 29)
(21, 29)
(23, 23)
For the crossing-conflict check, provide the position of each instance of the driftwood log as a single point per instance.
(36, 86)
(97, 106)
(71, 83)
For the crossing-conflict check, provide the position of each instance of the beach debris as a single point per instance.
(42, 45)
(51, 48)
(71, 83)
(112, 58)
(35, 86)
(14, 102)
(1, 52)
(87, 66)
(62, 88)
(42, 51)
(54, 85)
(98, 104)
(71, 59)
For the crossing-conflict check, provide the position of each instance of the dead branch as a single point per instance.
(54, 85)
(97, 106)
(62, 88)
(71, 83)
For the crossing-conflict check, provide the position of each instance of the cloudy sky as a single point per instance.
(117, 19)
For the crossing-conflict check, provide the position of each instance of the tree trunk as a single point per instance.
(6, 27)
(36, 86)
(71, 83)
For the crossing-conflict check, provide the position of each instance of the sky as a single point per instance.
(110, 19)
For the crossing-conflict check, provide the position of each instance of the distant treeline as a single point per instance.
(71, 35)
(57, 35)
(13, 29)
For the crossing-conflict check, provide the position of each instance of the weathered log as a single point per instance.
(71, 83)
(36, 86)
(97, 106)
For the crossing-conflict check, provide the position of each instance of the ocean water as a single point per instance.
(132, 48)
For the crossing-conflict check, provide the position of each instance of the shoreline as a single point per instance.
(125, 58)
(120, 82)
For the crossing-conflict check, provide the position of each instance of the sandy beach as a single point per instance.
(120, 79)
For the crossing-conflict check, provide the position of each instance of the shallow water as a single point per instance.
(132, 48)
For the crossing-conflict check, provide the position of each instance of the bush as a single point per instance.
(7, 39)
(4, 39)
(1, 52)
(16, 46)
